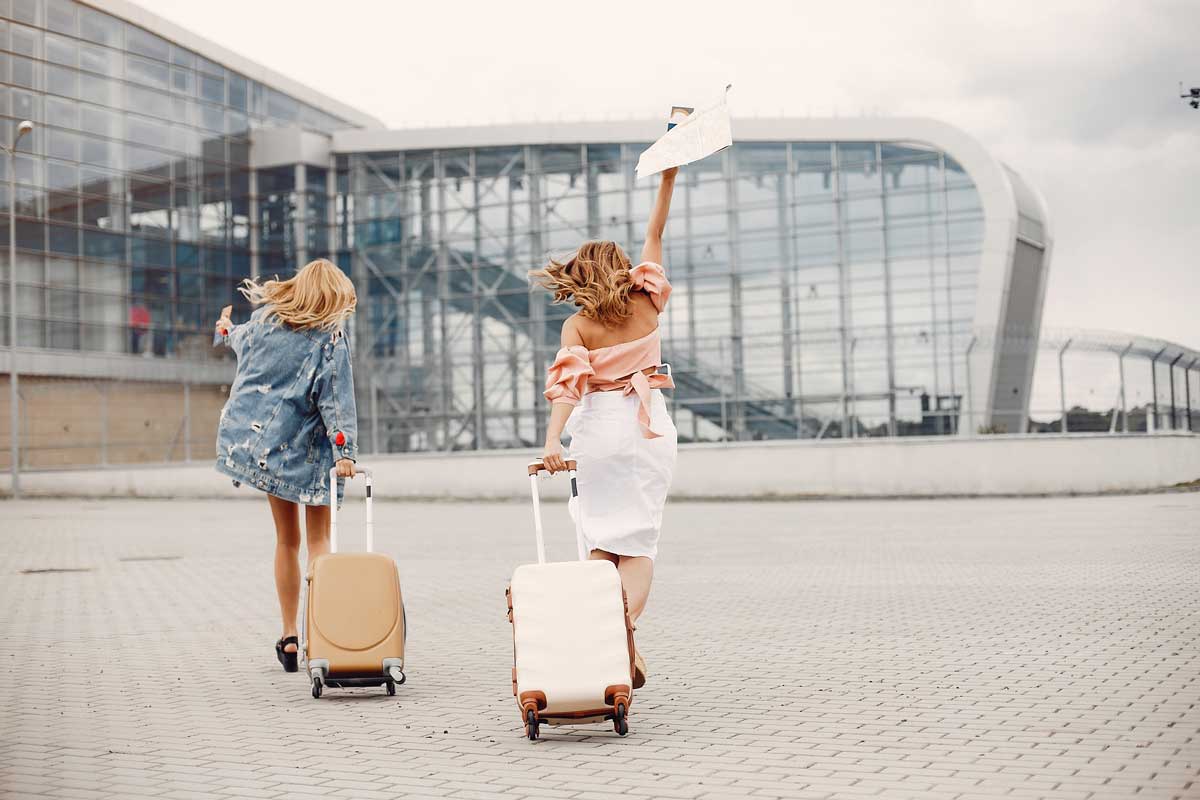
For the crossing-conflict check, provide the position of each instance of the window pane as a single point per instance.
(62, 81)
(60, 16)
(100, 121)
(212, 89)
(27, 11)
(237, 92)
(61, 50)
(96, 26)
(182, 57)
(183, 81)
(146, 71)
(64, 113)
(145, 43)
(100, 59)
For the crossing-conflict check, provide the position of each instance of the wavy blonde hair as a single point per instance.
(596, 279)
(319, 296)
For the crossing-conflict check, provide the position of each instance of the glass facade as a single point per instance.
(822, 289)
(133, 194)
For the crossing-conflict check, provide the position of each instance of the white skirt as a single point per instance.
(623, 476)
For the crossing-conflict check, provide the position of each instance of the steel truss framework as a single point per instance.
(823, 289)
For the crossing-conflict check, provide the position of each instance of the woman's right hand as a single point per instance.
(552, 456)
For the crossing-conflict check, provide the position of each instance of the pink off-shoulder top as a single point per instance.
(577, 371)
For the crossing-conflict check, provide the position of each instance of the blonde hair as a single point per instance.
(318, 296)
(596, 279)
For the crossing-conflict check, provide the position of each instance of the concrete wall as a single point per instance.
(74, 422)
(939, 466)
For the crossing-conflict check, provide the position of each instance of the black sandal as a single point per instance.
(290, 661)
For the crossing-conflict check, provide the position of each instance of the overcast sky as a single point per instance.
(1080, 97)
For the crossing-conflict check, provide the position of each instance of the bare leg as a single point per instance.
(636, 574)
(316, 529)
(287, 563)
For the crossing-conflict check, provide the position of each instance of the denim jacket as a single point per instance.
(290, 412)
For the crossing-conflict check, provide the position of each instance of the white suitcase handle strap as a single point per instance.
(333, 511)
(533, 469)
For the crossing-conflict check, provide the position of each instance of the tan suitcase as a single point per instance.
(572, 641)
(354, 623)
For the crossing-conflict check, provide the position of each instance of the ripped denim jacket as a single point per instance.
(290, 412)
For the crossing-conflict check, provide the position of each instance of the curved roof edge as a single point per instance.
(144, 18)
(635, 131)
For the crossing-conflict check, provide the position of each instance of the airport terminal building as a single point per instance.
(833, 278)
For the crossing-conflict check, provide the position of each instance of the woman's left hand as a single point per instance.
(552, 458)
(224, 324)
(345, 468)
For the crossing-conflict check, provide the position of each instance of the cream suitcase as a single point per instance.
(572, 641)
(354, 624)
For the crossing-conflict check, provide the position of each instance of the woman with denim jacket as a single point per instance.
(290, 416)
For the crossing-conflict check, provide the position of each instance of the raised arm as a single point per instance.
(652, 250)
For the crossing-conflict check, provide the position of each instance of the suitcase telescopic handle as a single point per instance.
(333, 525)
(533, 469)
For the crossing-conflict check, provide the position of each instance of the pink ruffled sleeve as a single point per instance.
(567, 377)
(651, 278)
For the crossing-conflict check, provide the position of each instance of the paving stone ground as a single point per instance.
(944, 649)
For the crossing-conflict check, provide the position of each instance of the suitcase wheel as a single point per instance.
(531, 725)
(397, 675)
(620, 724)
(317, 685)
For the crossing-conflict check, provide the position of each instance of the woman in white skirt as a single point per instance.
(606, 391)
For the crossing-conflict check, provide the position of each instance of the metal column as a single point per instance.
(255, 226)
(1121, 372)
(510, 254)
(403, 303)
(374, 409)
(1154, 390)
(627, 172)
(933, 313)
(689, 264)
(300, 224)
(1062, 388)
(784, 204)
(1171, 377)
(428, 350)
(1187, 388)
(446, 365)
(844, 320)
(537, 302)
(689, 272)
(971, 426)
(478, 373)
(889, 326)
(737, 336)
(361, 281)
(590, 172)
(331, 238)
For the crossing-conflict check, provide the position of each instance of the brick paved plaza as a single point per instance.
(960, 648)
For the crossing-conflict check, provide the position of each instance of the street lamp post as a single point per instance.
(14, 415)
